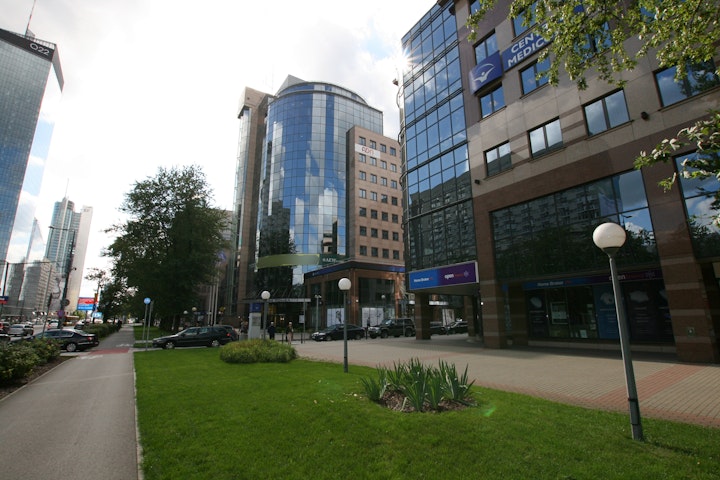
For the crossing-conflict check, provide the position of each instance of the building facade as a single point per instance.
(545, 166)
(292, 203)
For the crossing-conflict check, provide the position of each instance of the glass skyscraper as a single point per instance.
(302, 211)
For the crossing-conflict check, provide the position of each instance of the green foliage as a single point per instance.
(102, 330)
(17, 360)
(423, 387)
(171, 242)
(674, 32)
(257, 351)
(46, 350)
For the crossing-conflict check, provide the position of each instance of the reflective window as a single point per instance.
(363, 231)
(546, 138)
(532, 77)
(485, 48)
(525, 20)
(606, 113)
(700, 77)
(498, 159)
(492, 101)
(699, 195)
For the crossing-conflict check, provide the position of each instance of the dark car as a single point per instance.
(393, 327)
(70, 339)
(459, 326)
(336, 332)
(437, 328)
(231, 330)
(195, 337)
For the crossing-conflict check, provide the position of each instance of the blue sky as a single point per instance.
(152, 84)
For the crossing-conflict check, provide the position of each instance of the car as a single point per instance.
(20, 330)
(53, 324)
(4, 327)
(70, 339)
(394, 327)
(231, 330)
(437, 328)
(336, 332)
(459, 326)
(195, 337)
(80, 325)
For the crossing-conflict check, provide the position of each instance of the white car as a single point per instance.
(20, 330)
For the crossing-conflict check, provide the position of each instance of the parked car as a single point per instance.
(53, 324)
(336, 332)
(195, 337)
(4, 327)
(394, 327)
(70, 339)
(437, 328)
(231, 330)
(20, 330)
(459, 326)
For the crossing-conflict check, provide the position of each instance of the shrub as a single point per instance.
(46, 350)
(17, 360)
(257, 351)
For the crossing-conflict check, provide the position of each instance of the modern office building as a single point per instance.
(506, 178)
(291, 198)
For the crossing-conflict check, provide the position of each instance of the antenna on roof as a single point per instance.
(28, 33)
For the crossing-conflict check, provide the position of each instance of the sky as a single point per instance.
(157, 83)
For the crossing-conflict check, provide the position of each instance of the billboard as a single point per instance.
(86, 303)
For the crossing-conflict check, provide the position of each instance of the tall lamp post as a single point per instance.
(317, 312)
(265, 295)
(609, 237)
(146, 327)
(344, 285)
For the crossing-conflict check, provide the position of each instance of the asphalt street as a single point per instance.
(75, 422)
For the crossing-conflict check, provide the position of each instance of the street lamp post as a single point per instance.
(317, 312)
(609, 237)
(265, 295)
(146, 327)
(344, 285)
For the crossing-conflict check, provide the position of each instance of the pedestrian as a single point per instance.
(289, 332)
(271, 331)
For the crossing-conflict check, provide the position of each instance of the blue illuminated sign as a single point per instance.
(460, 274)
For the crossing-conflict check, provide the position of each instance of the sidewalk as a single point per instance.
(667, 389)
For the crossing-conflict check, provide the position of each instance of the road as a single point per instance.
(77, 421)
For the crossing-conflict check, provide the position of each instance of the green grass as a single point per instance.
(201, 418)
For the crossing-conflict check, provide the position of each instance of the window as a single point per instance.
(374, 252)
(373, 214)
(363, 212)
(362, 175)
(373, 196)
(373, 161)
(383, 181)
(393, 167)
(373, 178)
(363, 250)
(396, 254)
(363, 193)
(594, 44)
(395, 218)
(533, 76)
(520, 20)
(394, 200)
(474, 6)
(383, 164)
(385, 253)
(492, 101)
(606, 113)
(383, 198)
(384, 216)
(385, 235)
(393, 152)
(545, 138)
(373, 144)
(363, 231)
(383, 148)
(396, 236)
(485, 48)
(362, 141)
(374, 232)
(498, 159)
(393, 184)
(700, 77)
(362, 158)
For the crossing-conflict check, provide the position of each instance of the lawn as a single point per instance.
(201, 418)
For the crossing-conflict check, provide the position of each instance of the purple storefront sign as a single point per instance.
(459, 274)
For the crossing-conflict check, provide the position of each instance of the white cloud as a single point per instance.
(157, 83)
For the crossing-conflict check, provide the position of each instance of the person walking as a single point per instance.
(271, 331)
(289, 332)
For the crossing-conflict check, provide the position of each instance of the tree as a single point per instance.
(171, 242)
(625, 31)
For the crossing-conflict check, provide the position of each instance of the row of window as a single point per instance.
(373, 145)
(384, 216)
(374, 179)
(375, 252)
(374, 197)
(602, 114)
(362, 158)
(363, 231)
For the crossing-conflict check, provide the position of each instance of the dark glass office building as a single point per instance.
(531, 169)
(28, 94)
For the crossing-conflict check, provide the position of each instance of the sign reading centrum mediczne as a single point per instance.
(523, 48)
(448, 275)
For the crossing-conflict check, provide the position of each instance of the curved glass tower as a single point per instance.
(302, 207)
